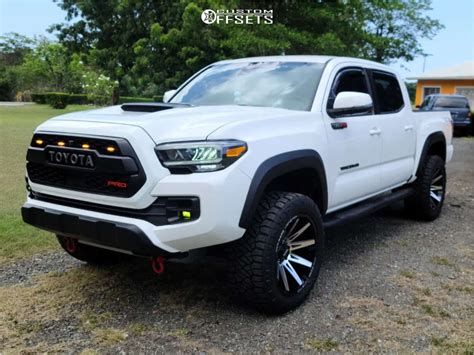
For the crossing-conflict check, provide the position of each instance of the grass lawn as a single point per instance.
(17, 124)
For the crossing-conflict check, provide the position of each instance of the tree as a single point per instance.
(392, 28)
(108, 29)
(49, 68)
(13, 48)
(150, 46)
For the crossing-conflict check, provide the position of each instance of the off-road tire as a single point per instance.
(421, 205)
(92, 255)
(254, 259)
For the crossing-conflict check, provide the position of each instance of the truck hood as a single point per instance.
(177, 124)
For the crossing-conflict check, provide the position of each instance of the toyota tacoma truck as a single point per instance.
(253, 157)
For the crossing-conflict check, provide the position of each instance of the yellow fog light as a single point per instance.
(186, 214)
(61, 143)
(86, 146)
(39, 141)
(110, 149)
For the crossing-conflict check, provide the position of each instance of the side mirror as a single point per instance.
(351, 103)
(168, 95)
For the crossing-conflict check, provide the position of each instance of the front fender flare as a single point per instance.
(277, 166)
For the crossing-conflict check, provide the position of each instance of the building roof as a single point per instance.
(461, 71)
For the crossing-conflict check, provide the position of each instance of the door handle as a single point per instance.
(408, 127)
(375, 131)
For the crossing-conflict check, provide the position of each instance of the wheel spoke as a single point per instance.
(293, 226)
(436, 179)
(299, 232)
(300, 244)
(435, 197)
(436, 188)
(291, 270)
(282, 273)
(299, 260)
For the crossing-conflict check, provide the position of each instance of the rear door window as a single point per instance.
(387, 92)
(451, 102)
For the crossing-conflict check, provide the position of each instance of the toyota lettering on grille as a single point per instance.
(71, 159)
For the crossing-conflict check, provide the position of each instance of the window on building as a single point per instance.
(431, 90)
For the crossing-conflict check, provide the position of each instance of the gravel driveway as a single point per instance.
(388, 284)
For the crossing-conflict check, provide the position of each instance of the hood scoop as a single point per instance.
(150, 107)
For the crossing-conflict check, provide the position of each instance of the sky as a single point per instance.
(452, 45)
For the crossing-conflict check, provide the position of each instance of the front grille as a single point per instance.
(116, 172)
(76, 180)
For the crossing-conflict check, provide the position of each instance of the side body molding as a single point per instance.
(280, 165)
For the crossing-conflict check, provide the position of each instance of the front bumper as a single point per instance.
(115, 235)
(221, 197)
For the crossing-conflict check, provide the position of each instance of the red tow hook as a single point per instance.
(158, 264)
(71, 245)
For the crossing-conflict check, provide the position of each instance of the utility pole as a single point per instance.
(424, 59)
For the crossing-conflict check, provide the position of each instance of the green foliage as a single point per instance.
(6, 89)
(127, 99)
(57, 100)
(13, 48)
(392, 29)
(161, 43)
(78, 99)
(38, 98)
(153, 46)
(82, 99)
(49, 67)
(99, 88)
(411, 87)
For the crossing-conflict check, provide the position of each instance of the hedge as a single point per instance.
(125, 99)
(78, 99)
(38, 98)
(82, 99)
(57, 100)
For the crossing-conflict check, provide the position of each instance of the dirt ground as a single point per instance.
(388, 284)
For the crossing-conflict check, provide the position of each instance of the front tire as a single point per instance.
(91, 255)
(276, 263)
(430, 189)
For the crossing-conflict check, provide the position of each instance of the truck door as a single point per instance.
(355, 144)
(396, 121)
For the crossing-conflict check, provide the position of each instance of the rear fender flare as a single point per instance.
(436, 137)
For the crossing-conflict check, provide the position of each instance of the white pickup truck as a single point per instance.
(258, 155)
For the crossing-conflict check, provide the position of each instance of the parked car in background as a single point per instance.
(458, 105)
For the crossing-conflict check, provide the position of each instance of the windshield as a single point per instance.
(290, 85)
(451, 102)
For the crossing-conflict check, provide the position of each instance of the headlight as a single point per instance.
(200, 156)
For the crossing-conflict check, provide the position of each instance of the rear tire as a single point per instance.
(430, 189)
(276, 263)
(92, 255)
